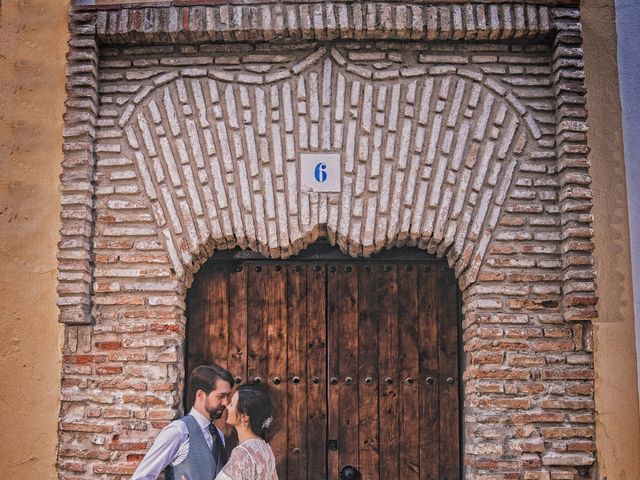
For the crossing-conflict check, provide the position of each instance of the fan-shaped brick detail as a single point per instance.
(427, 159)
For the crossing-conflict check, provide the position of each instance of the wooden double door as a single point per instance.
(360, 356)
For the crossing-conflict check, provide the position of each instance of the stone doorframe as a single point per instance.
(525, 269)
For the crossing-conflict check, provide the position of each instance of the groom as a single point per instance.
(192, 446)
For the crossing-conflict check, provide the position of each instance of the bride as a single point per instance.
(250, 413)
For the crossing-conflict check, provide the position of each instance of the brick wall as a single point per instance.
(461, 131)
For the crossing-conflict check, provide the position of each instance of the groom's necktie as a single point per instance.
(217, 447)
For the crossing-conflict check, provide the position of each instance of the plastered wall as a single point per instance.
(33, 36)
(618, 423)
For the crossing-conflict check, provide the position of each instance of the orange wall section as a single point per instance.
(33, 43)
(616, 395)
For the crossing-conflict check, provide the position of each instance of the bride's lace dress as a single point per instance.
(251, 460)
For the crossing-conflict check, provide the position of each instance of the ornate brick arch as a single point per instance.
(504, 76)
(428, 157)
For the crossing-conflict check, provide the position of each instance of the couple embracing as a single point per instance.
(193, 448)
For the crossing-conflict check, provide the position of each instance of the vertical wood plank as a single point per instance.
(387, 294)
(218, 345)
(429, 375)
(316, 377)
(369, 373)
(237, 361)
(257, 366)
(334, 292)
(408, 336)
(448, 366)
(296, 381)
(197, 317)
(275, 343)
(348, 377)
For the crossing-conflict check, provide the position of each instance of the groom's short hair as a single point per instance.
(205, 377)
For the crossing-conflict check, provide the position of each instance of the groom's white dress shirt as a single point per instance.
(171, 447)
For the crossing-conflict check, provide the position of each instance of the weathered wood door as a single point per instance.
(361, 357)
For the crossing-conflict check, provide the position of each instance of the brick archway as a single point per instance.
(174, 151)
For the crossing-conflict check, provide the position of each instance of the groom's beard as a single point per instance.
(214, 413)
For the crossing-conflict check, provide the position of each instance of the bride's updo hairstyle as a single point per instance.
(254, 401)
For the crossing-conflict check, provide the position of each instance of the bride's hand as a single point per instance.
(183, 477)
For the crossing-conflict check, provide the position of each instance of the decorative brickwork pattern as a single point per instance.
(404, 145)
(325, 21)
(473, 150)
(74, 256)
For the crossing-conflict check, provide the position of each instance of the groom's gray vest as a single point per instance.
(200, 463)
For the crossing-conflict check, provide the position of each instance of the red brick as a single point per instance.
(532, 277)
(73, 382)
(502, 318)
(583, 389)
(504, 374)
(165, 327)
(165, 414)
(522, 332)
(551, 345)
(497, 345)
(541, 417)
(535, 445)
(77, 467)
(72, 369)
(106, 258)
(120, 244)
(581, 417)
(85, 454)
(557, 332)
(159, 424)
(486, 358)
(509, 403)
(93, 412)
(581, 446)
(490, 276)
(162, 387)
(85, 427)
(567, 432)
(108, 370)
(531, 304)
(116, 413)
(579, 300)
(150, 313)
(135, 457)
(122, 385)
(541, 475)
(568, 374)
(531, 461)
(148, 258)
(526, 360)
(511, 221)
(568, 404)
(124, 446)
(127, 357)
(84, 359)
(115, 469)
(531, 388)
(143, 399)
